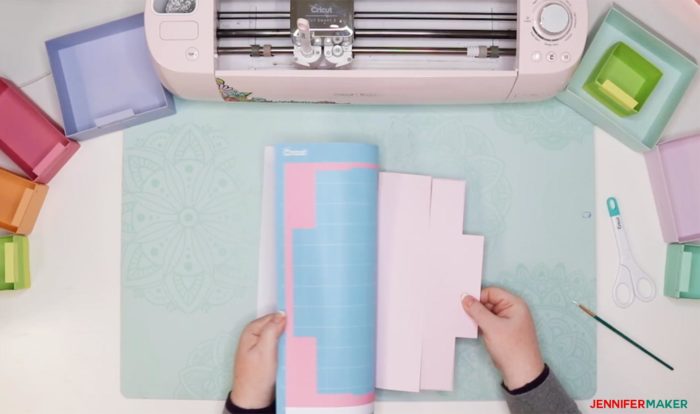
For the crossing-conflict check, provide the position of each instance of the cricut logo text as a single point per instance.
(318, 9)
(288, 152)
(640, 404)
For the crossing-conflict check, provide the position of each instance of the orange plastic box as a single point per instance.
(20, 202)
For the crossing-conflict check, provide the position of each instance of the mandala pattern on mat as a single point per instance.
(208, 371)
(567, 337)
(181, 210)
(536, 123)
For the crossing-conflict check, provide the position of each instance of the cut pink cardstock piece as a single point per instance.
(455, 264)
(404, 221)
(425, 265)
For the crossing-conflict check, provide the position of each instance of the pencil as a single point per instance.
(623, 336)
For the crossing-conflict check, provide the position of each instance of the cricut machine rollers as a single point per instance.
(366, 51)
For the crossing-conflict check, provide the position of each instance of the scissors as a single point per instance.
(632, 282)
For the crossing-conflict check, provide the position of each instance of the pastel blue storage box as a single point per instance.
(105, 79)
(643, 130)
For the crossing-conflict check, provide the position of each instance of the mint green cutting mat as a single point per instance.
(191, 216)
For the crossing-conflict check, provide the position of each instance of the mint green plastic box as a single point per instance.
(682, 271)
(642, 131)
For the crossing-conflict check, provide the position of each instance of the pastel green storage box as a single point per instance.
(623, 80)
(683, 271)
(14, 263)
(643, 130)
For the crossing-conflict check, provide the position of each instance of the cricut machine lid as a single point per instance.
(367, 51)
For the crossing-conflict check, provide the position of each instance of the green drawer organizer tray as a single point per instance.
(623, 80)
(642, 131)
(14, 263)
(682, 271)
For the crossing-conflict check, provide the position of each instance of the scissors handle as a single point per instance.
(644, 293)
(632, 283)
(624, 290)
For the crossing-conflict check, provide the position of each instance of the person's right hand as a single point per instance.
(255, 366)
(509, 335)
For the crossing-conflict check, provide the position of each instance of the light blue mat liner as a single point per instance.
(191, 216)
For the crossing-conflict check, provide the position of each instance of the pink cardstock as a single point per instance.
(404, 221)
(455, 265)
(425, 265)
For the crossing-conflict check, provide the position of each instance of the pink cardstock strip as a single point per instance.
(404, 220)
(425, 265)
(455, 265)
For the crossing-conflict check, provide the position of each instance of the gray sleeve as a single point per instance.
(547, 397)
(231, 408)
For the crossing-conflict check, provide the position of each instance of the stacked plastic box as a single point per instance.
(674, 172)
(629, 83)
(39, 148)
(105, 82)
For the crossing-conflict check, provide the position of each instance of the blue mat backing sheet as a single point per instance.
(191, 216)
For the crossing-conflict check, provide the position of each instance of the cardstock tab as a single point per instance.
(44, 164)
(22, 207)
(114, 117)
(10, 269)
(686, 270)
(619, 95)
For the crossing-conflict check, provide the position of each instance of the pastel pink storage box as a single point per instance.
(674, 171)
(29, 137)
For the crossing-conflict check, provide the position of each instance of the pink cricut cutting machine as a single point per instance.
(366, 51)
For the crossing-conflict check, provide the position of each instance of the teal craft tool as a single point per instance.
(620, 334)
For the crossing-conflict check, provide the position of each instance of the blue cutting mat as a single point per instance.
(191, 216)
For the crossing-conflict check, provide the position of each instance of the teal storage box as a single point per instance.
(643, 130)
(623, 80)
(682, 271)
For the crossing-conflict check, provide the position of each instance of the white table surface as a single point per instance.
(59, 340)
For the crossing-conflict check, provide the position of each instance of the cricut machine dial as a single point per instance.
(553, 22)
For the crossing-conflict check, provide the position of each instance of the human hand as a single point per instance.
(509, 335)
(255, 367)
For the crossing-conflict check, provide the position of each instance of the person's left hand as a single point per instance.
(255, 367)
